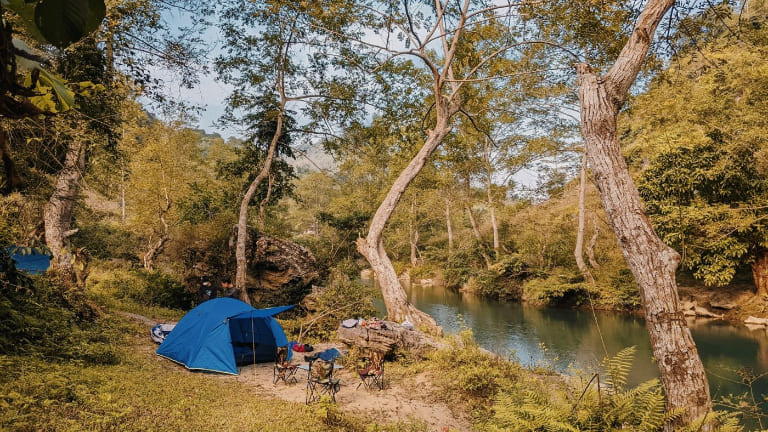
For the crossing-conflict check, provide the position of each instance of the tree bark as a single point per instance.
(578, 251)
(372, 246)
(593, 243)
(448, 225)
(57, 213)
(491, 207)
(264, 202)
(413, 239)
(478, 237)
(156, 248)
(652, 262)
(760, 273)
(242, 221)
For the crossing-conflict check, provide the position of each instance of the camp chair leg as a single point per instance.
(287, 374)
(373, 373)
(320, 381)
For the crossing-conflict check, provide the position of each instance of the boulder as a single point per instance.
(724, 306)
(279, 271)
(367, 274)
(755, 321)
(703, 312)
(386, 340)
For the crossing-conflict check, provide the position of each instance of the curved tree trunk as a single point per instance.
(652, 262)
(264, 202)
(242, 221)
(760, 273)
(413, 239)
(578, 251)
(489, 193)
(448, 225)
(57, 213)
(593, 243)
(478, 237)
(372, 246)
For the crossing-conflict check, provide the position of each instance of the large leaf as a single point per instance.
(63, 22)
(25, 10)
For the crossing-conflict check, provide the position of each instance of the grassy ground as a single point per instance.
(66, 368)
(141, 392)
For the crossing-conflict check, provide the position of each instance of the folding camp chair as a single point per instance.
(283, 370)
(372, 373)
(320, 380)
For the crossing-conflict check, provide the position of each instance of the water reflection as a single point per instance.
(571, 339)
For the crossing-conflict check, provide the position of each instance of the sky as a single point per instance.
(210, 96)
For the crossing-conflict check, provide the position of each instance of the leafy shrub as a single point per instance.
(343, 298)
(461, 266)
(557, 291)
(504, 279)
(105, 241)
(531, 406)
(622, 291)
(148, 288)
(471, 373)
(42, 321)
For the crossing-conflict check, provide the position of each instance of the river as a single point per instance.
(568, 340)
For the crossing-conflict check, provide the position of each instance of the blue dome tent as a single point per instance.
(221, 333)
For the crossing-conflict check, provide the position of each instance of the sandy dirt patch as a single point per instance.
(401, 399)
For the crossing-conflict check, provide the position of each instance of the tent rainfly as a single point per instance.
(222, 333)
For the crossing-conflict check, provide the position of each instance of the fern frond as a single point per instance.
(618, 367)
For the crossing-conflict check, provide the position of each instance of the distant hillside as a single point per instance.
(312, 158)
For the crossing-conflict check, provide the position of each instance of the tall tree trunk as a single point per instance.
(652, 262)
(760, 273)
(578, 251)
(264, 202)
(446, 104)
(122, 190)
(12, 178)
(413, 238)
(489, 192)
(449, 226)
(475, 227)
(478, 237)
(57, 213)
(242, 221)
(593, 243)
(372, 246)
(156, 247)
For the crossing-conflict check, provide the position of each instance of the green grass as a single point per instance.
(117, 383)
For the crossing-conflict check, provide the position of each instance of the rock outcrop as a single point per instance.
(279, 271)
(386, 340)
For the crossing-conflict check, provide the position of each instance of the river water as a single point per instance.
(568, 340)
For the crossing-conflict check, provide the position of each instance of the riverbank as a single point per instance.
(733, 303)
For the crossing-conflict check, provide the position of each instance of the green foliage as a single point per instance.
(342, 298)
(531, 406)
(146, 288)
(504, 280)
(698, 136)
(705, 201)
(44, 322)
(468, 372)
(557, 290)
(105, 241)
(621, 290)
